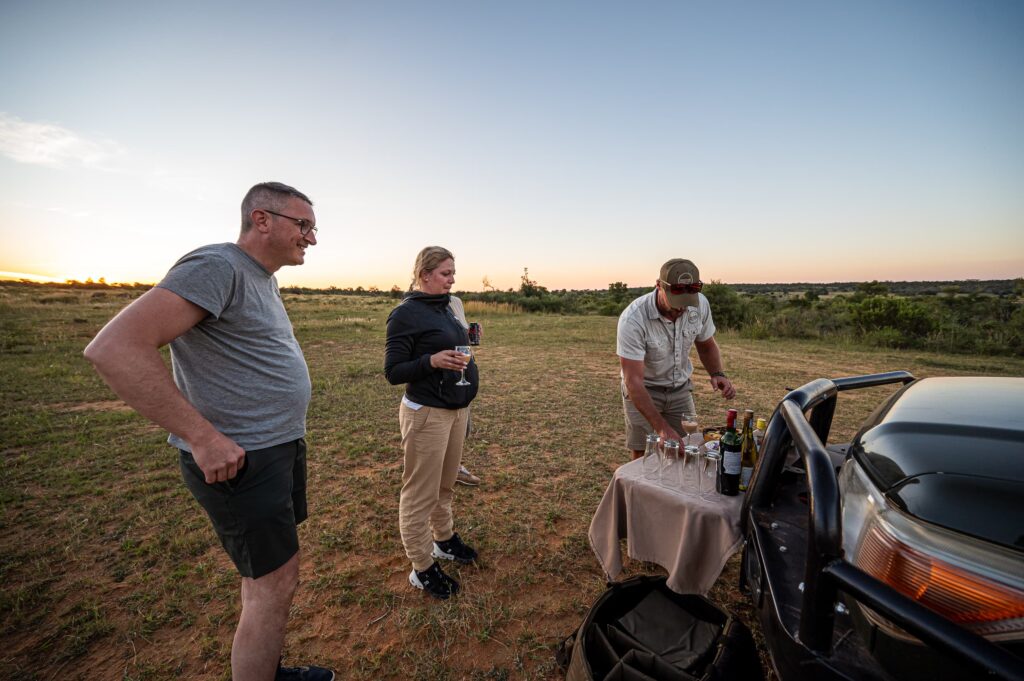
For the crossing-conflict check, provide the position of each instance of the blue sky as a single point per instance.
(587, 141)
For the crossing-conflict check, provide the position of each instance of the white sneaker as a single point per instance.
(467, 478)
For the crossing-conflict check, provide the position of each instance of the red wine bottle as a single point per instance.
(728, 480)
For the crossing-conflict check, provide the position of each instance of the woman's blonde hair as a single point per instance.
(427, 261)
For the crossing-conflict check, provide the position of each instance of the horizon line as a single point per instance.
(26, 278)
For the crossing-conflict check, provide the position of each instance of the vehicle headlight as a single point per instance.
(976, 584)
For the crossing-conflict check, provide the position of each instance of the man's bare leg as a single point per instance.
(259, 637)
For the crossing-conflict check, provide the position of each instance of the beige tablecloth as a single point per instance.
(690, 537)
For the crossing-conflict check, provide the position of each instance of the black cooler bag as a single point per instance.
(640, 630)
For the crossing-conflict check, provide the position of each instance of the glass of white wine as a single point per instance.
(464, 350)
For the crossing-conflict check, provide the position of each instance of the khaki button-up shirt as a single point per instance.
(663, 346)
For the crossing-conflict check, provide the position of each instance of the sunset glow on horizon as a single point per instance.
(588, 142)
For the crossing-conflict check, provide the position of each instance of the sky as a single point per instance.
(586, 141)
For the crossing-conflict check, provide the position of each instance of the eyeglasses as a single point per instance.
(303, 224)
(676, 289)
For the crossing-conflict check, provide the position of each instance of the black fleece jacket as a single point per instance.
(420, 326)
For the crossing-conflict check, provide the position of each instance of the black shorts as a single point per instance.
(256, 513)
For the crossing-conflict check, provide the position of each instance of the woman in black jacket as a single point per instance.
(420, 352)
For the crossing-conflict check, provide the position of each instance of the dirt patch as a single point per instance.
(105, 405)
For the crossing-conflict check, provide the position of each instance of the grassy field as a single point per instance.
(109, 569)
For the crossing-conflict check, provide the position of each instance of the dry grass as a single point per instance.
(483, 307)
(110, 571)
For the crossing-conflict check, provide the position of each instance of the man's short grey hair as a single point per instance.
(269, 195)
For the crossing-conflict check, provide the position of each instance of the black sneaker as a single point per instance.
(454, 549)
(434, 581)
(304, 674)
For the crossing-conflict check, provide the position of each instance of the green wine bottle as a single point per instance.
(748, 451)
(728, 480)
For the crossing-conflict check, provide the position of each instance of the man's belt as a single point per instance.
(666, 389)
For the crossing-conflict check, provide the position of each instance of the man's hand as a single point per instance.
(669, 433)
(219, 458)
(711, 358)
(723, 385)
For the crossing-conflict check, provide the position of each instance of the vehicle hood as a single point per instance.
(950, 451)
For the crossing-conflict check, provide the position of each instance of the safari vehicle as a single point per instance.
(899, 555)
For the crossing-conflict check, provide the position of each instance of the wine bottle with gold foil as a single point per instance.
(748, 451)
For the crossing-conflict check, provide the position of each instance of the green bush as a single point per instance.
(887, 337)
(909, 317)
(798, 322)
(761, 328)
(728, 308)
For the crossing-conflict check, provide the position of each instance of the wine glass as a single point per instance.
(464, 350)
(670, 463)
(709, 474)
(652, 457)
(691, 469)
(692, 436)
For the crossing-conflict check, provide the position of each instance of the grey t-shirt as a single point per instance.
(240, 367)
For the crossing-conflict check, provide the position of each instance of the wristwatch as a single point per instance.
(719, 373)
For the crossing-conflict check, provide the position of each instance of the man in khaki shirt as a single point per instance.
(655, 334)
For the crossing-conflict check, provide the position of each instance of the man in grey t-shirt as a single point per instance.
(655, 334)
(235, 405)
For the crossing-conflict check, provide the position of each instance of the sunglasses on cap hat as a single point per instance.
(677, 289)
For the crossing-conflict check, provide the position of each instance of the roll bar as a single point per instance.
(804, 417)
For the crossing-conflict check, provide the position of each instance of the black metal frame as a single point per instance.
(806, 418)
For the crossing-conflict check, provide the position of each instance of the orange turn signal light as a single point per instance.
(967, 598)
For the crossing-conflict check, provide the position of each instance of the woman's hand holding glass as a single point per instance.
(452, 360)
(467, 354)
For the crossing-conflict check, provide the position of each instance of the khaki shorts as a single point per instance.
(672, 404)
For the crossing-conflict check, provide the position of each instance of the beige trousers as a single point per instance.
(432, 439)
